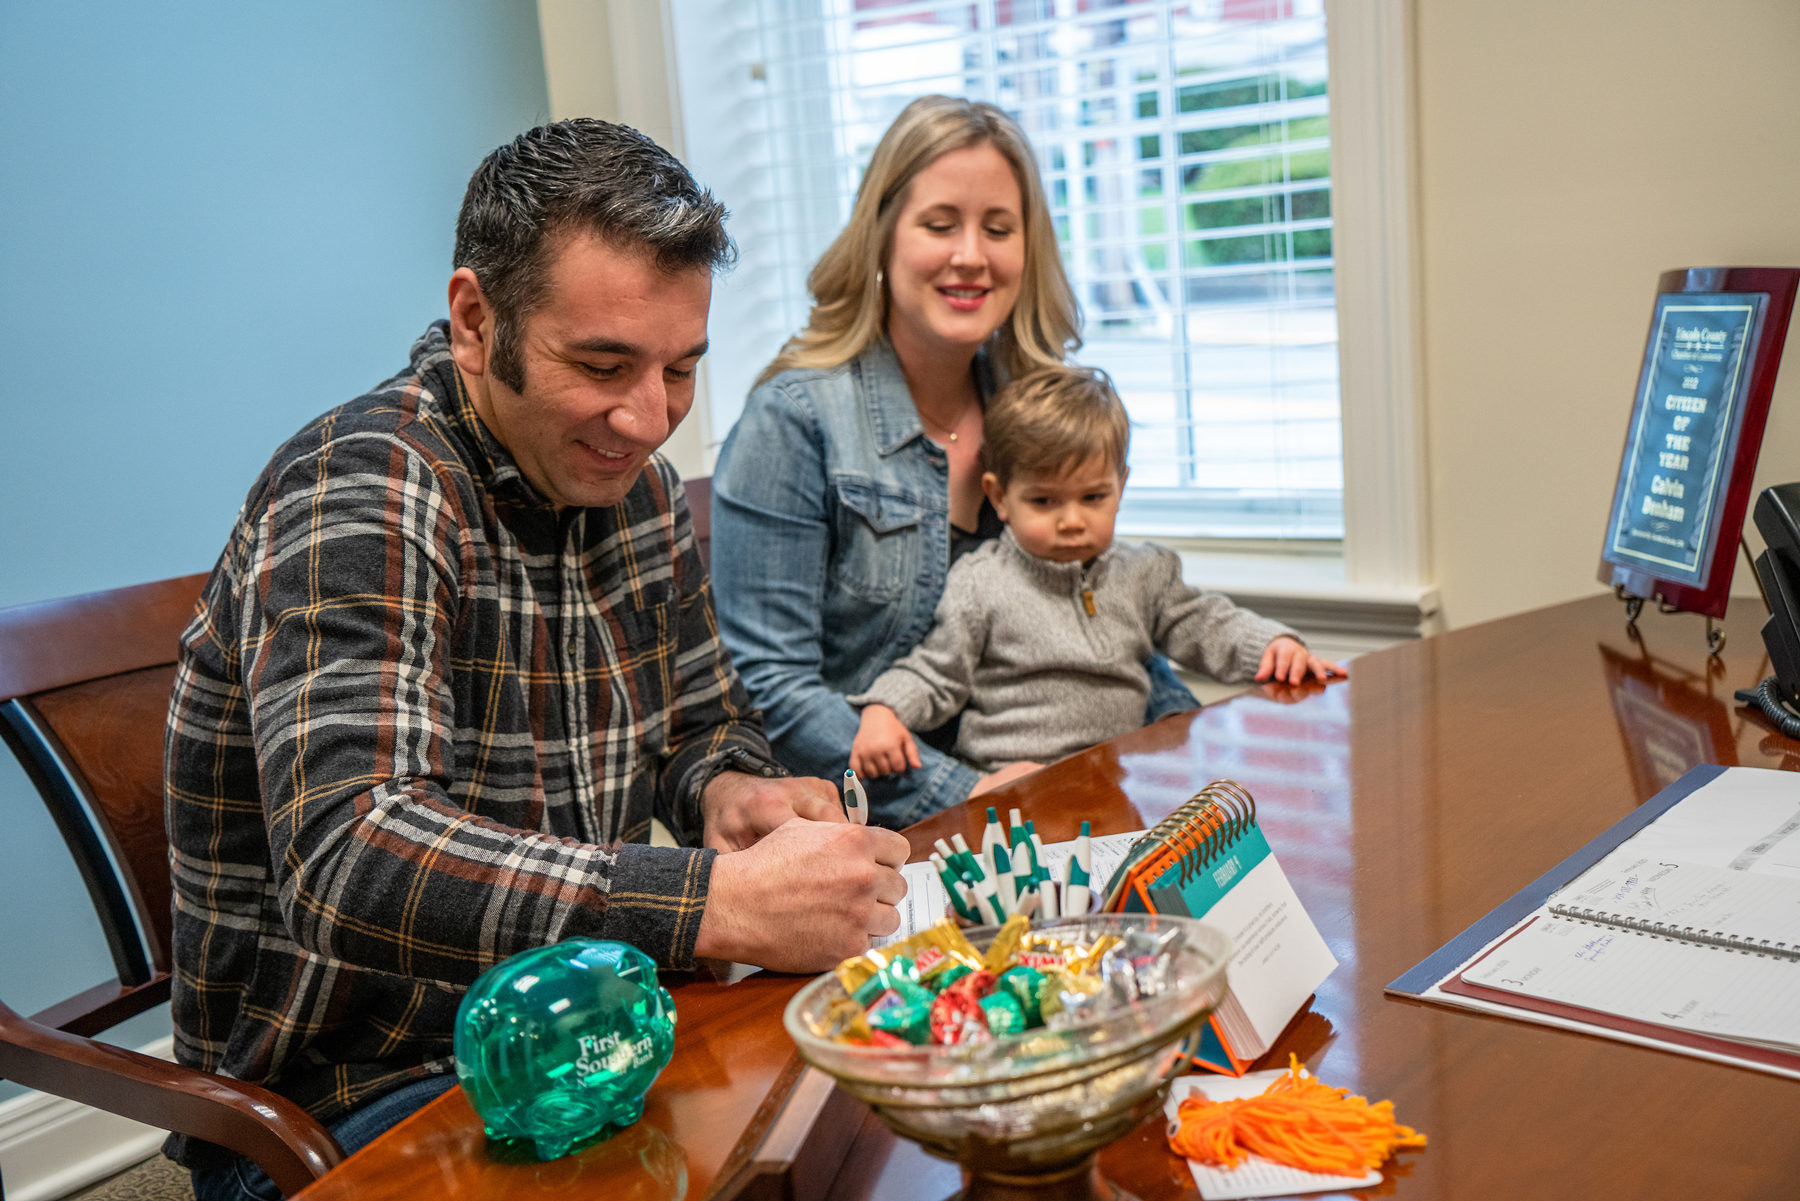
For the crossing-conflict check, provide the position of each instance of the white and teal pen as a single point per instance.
(950, 882)
(856, 801)
(986, 895)
(965, 857)
(1024, 855)
(1081, 870)
(991, 833)
(995, 862)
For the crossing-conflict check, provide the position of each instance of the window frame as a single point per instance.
(1386, 547)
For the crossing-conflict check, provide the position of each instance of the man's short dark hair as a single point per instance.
(577, 176)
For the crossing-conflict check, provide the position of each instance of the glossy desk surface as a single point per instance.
(1404, 804)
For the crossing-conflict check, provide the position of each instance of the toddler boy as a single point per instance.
(1042, 633)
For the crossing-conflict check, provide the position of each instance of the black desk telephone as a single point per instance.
(1777, 517)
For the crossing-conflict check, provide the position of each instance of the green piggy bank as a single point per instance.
(558, 1043)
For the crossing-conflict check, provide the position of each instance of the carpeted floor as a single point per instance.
(156, 1179)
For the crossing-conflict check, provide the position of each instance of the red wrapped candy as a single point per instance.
(949, 1012)
(976, 984)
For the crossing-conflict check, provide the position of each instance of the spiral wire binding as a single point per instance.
(1202, 827)
(1708, 938)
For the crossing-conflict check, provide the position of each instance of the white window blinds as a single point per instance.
(1186, 153)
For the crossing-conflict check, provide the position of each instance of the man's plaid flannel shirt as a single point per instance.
(421, 722)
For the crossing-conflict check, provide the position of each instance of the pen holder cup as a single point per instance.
(1028, 1114)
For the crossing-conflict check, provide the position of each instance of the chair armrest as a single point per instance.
(104, 1006)
(280, 1137)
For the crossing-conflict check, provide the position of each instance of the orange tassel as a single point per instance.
(1296, 1121)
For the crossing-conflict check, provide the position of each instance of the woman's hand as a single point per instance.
(1287, 661)
(883, 745)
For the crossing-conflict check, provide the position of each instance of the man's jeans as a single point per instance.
(242, 1180)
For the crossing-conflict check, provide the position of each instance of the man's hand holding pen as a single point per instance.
(805, 897)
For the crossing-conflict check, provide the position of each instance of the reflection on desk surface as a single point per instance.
(1671, 719)
(1404, 804)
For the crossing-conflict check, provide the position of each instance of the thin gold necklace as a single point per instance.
(948, 429)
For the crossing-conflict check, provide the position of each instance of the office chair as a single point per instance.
(84, 697)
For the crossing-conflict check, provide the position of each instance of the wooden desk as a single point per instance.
(1404, 804)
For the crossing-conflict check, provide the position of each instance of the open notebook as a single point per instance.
(1674, 929)
(1680, 945)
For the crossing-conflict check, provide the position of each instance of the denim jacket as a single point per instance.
(830, 546)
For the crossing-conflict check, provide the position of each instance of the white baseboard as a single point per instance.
(50, 1147)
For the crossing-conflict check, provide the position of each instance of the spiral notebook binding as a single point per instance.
(1201, 828)
(1668, 930)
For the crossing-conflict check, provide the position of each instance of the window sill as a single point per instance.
(1304, 585)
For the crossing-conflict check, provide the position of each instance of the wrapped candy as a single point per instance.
(845, 1022)
(951, 1013)
(893, 979)
(934, 949)
(909, 1020)
(1004, 949)
(1141, 964)
(1088, 960)
(976, 984)
(945, 979)
(900, 970)
(1004, 1016)
(1065, 998)
(936, 988)
(1023, 983)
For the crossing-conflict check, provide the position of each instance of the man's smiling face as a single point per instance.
(608, 356)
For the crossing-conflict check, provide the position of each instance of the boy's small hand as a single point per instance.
(883, 745)
(1287, 661)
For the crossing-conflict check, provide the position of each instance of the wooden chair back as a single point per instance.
(84, 699)
(699, 499)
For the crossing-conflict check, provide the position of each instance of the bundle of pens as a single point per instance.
(1011, 875)
(936, 988)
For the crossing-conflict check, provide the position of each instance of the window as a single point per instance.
(1186, 153)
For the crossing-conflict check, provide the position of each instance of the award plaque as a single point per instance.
(1695, 432)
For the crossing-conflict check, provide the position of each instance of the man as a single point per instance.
(458, 652)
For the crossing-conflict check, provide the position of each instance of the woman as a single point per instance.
(853, 478)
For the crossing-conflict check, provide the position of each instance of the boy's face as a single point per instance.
(1066, 516)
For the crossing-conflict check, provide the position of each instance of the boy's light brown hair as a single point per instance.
(1052, 418)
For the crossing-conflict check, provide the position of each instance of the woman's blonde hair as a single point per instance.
(849, 305)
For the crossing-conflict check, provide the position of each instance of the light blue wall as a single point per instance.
(216, 221)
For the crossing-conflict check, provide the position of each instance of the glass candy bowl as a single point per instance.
(560, 1042)
(1027, 1115)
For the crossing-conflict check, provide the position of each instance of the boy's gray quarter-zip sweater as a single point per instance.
(1038, 675)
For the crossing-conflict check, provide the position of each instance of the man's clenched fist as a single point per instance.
(805, 897)
(740, 808)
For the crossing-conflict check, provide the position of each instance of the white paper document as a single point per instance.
(1256, 1176)
(1747, 820)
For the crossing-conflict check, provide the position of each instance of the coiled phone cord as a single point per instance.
(1765, 697)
